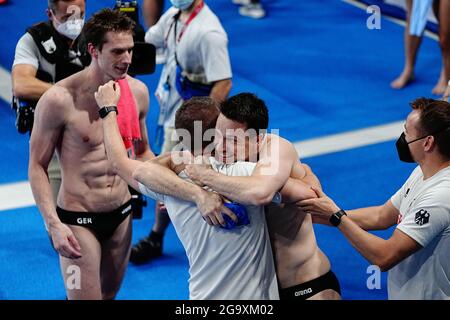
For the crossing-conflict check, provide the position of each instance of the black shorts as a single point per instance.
(103, 224)
(308, 289)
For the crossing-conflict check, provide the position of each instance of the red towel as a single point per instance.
(128, 119)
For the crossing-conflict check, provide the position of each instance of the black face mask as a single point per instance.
(403, 149)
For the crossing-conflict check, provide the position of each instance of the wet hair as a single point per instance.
(248, 109)
(104, 21)
(434, 120)
(203, 109)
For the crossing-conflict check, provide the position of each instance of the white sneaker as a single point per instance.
(241, 2)
(252, 10)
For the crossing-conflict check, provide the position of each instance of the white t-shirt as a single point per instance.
(424, 207)
(224, 264)
(202, 52)
(28, 53)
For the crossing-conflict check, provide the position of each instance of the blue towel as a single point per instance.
(241, 213)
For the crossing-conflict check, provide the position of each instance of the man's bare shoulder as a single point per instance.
(138, 88)
(273, 138)
(140, 92)
(52, 109)
(73, 86)
(57, 96)
(276, 144)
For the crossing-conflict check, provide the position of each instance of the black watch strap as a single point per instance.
(335, 219)
(103, 112)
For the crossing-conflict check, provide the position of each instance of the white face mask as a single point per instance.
(71, 28)
(182, 4)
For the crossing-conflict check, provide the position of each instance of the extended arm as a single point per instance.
(375, 218)
(132, 171)
(151, 173)
(162, 179)
(380, 252)
(369, 218)
(383, 253)
(48, 124)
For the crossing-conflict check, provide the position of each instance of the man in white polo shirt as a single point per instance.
(417, 254)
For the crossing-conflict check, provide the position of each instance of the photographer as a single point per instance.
(47, 53)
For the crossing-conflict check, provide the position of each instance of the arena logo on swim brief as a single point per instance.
(128, 208)
(303, 292)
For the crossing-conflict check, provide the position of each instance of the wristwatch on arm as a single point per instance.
(335, 219)
(103, 112)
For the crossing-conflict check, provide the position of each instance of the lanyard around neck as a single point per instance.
(194, 13)
(177, 16)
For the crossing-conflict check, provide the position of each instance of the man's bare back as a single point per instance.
(297, 256)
